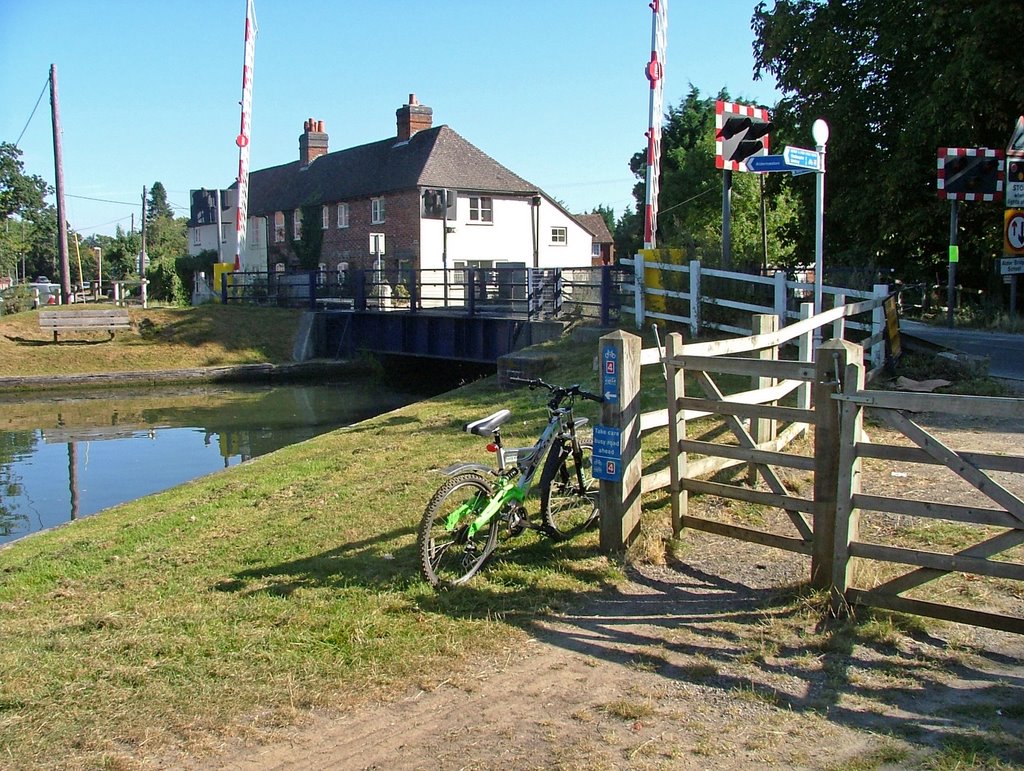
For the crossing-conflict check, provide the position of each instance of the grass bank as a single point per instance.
(239, 600)
(160, 339)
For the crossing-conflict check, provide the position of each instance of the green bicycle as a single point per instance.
(460, 526)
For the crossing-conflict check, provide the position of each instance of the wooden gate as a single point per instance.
(995, 523)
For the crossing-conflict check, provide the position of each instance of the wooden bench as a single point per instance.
(91, 320)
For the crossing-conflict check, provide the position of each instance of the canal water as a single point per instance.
(67, 456)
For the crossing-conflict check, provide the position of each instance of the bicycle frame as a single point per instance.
(508, 490)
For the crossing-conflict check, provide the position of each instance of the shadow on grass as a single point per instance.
(33, 343)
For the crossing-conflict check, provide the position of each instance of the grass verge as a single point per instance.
(160, 339)
(236, 601)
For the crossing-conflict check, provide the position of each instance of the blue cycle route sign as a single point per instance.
(606, 461)
(610, 374)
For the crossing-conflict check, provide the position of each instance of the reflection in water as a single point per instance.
(69, 456)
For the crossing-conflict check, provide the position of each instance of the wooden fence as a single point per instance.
(824, 390)
(739, 292)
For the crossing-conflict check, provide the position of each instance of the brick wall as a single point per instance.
(401, 229)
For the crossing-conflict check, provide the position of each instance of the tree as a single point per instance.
(157, 206)
(896, 79)
(24, 215)
(690, 201)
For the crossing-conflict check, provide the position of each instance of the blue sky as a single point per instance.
(150, 91)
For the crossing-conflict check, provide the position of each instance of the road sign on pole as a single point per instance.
(801, 158)
(1013, 233)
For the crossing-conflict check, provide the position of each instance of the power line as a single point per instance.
(45, 84)
(102, 200)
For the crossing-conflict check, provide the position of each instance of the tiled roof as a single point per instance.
(597, 226)
(436, 157)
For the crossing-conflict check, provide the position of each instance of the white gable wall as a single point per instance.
(508, 238)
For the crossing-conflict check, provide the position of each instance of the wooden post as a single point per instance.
(781, 304)
(880, 291)
(694, 298)
(638, 289)
(677, 458)
(839, 325)
(805, 345)
(762, 429)
(830, 361)
(620, 500)
(847, 525)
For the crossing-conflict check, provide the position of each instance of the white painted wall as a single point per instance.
(509, 238)
(253, 258)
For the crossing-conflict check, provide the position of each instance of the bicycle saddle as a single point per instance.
(486, 426)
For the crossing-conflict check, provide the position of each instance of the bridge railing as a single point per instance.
(594, 293)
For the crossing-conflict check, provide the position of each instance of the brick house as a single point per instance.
(427, 196)
(603, 249)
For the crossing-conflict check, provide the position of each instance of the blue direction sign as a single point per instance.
(802, 159)
(767, 163)
(606, 460)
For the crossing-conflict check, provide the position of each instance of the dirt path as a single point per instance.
(711, 662)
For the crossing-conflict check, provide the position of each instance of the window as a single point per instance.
(595, 250)
(558, 236)
(279, 267)
(196, 238)
(297, 224)
(252, 233)
(278, 227)
(342, 215)
(480, 209)
(325, 218)
(376, 210)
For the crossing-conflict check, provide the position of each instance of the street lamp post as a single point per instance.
(820, 133)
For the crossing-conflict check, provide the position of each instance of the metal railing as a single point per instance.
(587, 293)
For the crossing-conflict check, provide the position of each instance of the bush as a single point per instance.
(17, 299)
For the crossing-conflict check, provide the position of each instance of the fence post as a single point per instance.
(638, 289)
(830, 360)
(414, 291)
(620, 386)
(881, 291)
(781, 304)
(762, 429)
(606, 296)
(805, 343)
(471, 300)
(847, 528)
(224, 288)
(694, 298)
(839, 325)
(312, 276)
(677, 458)
(359, 290)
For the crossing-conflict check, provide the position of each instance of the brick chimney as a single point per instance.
(312, 142)
(413, 117)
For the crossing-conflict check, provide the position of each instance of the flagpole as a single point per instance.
(243, 138)
(655, 72)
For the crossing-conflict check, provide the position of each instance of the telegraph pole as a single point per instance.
(58, 162)
(142, 254)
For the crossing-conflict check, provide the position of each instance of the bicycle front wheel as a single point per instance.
(449, 554)
(570, 492)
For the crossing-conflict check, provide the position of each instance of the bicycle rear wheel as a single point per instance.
(449, 555)
(571, 498)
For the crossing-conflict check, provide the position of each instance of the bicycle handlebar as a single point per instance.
(558, 393)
